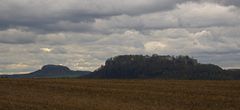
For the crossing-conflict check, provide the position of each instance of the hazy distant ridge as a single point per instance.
(51, 71)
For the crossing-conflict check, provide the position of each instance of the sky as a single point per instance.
(82, 34)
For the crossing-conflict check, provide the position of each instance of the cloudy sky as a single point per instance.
(82, 34)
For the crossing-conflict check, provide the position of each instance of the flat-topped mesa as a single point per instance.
(55, 68)
(157, 66)
(56, 71)
(51, 71)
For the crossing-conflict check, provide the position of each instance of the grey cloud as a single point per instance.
(89, 56)
(224, 2)
(107, 16)
(41, 14)
(83, 34)
(15, 36)
(186, 15)
(227, 61)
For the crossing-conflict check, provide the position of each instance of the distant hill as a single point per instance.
(161, 67)
(141, 67)
(51, 71)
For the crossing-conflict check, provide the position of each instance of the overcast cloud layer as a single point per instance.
(82, 34)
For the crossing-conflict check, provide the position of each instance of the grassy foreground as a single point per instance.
(83, 94)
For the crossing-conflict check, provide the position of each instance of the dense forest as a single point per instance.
(161, 67)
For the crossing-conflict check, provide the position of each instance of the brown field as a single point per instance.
(83, 94)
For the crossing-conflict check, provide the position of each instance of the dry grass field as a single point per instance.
(83, 94)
